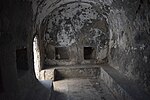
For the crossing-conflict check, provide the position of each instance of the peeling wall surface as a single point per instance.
(113, 31)
(129, 46)
(75, 25)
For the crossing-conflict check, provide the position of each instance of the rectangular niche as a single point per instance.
(89, 53)
(1, 83)
(61, 53)
(22, 59)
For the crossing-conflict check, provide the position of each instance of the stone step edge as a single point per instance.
(120, 86)
(51, 73)
(89, 72)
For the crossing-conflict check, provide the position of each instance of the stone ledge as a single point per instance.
(77, 72)
(120, 86)
(74, 71)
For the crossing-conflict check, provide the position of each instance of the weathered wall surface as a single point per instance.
(7, 49)
(15, 34)
(75, 25)
(129, 44)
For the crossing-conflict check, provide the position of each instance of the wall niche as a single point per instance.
(61, 53)
(89, 53)
(22, 59)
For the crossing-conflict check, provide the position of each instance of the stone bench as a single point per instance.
(120, 86)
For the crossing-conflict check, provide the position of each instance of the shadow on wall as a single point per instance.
(1, 84)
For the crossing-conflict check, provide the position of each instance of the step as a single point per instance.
(120, 86)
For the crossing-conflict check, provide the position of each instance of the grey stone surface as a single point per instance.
(42, 90)
(121, 86)
(73, 25)
(118, 30)
(74, 71)
(81, 89)
(129, 39)
(77, 72)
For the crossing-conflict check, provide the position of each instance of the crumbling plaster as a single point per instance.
(128, 23)
(129, 45)
(75, 25)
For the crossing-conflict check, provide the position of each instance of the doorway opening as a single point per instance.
(36, 52)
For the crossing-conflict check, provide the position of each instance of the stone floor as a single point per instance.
(81, 89)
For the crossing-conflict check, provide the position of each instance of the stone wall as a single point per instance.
(16, 34)
(129, 45)
(74, 25)
(7, 49)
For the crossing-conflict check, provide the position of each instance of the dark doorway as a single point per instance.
(89, 53)
(61, 53)
(22, 59)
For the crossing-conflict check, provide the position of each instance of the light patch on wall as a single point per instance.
(96, 33)
(65, 37)
(145, 59)
(36, 52)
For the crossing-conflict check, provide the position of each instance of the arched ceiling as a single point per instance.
(43, 8)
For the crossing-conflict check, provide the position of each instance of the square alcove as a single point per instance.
(89, 53)
(22, 59)
(61, 53)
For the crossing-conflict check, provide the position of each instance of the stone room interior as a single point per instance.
(75, 50)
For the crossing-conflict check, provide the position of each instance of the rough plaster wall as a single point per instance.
(42, 8)
(43, 13)
(67, 22)
(7, 49)
(16, 33)
(130, 39)
(74, 25)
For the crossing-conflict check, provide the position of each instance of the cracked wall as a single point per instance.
(76, 25)
(129, 44)
(128, 27)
